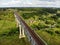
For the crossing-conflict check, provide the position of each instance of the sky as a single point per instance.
(29, 3)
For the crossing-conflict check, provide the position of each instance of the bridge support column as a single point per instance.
(16, 20)
(20, 35)
(23, 35)
(21, 30)
(17, 23)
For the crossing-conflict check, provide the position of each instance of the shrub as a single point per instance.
(13, 31)
(10, 32)
(35, 27)
(57, 32)
(41, 25)
(50, 32)
(0, 19)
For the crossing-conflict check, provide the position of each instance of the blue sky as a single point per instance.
(29, 3)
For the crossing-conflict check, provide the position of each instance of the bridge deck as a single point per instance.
(32, 33)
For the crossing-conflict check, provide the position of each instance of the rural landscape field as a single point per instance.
(9, 33)
(44, 21)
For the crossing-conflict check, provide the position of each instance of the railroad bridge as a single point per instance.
(24, 29)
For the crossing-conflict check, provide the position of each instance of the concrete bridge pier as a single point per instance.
(17, 23)
(23, 34)
(21, 30)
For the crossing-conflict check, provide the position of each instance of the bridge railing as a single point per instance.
(32, 36)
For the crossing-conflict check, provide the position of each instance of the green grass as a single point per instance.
(13, 40)
(50, 39)
(9, 33)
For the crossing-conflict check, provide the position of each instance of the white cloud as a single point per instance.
(28, 3)
(10, 3)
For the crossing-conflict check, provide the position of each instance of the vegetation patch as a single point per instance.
(45, 21)
(9, 33)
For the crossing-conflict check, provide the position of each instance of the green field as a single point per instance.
(9, 33)
(45, 22)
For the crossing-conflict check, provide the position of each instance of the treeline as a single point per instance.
(49, 10)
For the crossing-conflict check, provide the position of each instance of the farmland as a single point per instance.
(45, 22)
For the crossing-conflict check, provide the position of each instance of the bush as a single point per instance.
(41, 25)
(50, 32)
(58, 25)
(11, 32)
(0, 19)
(57, 32)
(26, 15)
(54, 17)
(58, 14)
(49, 21)
(35, 27)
